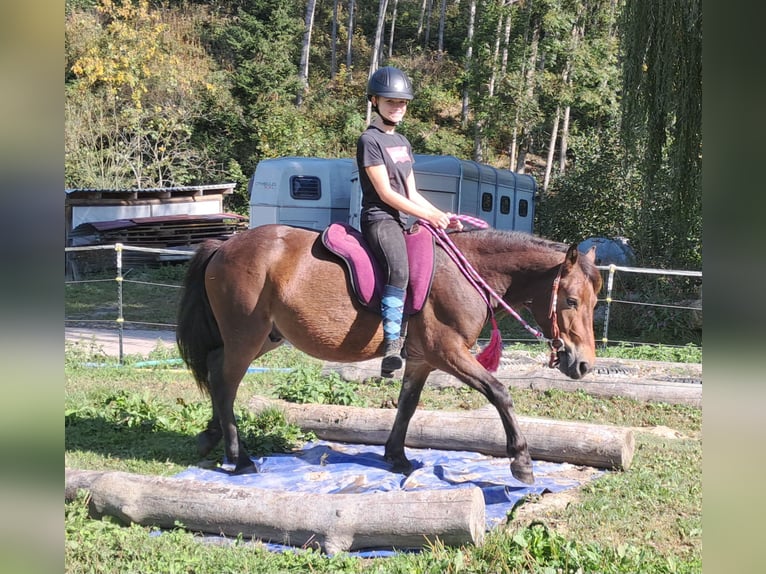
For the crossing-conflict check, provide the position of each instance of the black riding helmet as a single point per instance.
(389, 82)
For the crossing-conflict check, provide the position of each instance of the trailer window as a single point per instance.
(523, 208)
(505, 205)
(486, 202)
(305, 187)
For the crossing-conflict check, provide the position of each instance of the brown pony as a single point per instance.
(274, 283)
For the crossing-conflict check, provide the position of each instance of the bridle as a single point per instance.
(555, 342)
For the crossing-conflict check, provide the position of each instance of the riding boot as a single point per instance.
(391, 307)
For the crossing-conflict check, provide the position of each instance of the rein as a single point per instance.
(556, 343)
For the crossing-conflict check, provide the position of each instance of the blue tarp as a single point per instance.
(331, 467)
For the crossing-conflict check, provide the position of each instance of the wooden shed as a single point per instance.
(163, 217)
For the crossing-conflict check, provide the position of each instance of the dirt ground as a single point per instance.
(134, 341)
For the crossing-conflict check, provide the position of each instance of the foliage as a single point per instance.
(662, 120)
(196, 92)
(689, 353)
(598, 195)
(131, 100)
(307, 385)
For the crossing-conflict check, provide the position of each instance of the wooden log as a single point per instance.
(634, 388)
(600, 446)
(76, 480)
(332, 522)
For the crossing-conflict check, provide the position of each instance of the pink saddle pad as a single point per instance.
(364, 271)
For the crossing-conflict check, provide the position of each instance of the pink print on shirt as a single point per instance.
(398, 154)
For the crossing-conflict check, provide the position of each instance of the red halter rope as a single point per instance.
(491, 354)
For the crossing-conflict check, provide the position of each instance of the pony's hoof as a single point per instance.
(400, 465)
(247, 468)
(522, 471)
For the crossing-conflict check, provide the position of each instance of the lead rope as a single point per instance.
(487, 293)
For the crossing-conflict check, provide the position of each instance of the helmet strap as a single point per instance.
(383, 118)
(387, 121)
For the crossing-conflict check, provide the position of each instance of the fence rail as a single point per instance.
(608, 300)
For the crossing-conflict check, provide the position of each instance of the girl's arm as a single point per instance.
(416, 205)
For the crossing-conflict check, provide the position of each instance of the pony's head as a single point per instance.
(566, 317)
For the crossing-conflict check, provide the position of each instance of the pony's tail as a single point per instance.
(197, 331)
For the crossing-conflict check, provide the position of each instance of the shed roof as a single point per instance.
(89, 194)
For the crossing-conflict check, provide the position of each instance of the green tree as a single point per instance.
(598, 196)
(130, 100)
(662, 122)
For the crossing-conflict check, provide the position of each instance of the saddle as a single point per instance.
(365, 273)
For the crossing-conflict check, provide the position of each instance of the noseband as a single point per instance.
(555, 342)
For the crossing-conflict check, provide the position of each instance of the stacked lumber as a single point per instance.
(177, 232)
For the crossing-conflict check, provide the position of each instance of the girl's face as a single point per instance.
(392, 109)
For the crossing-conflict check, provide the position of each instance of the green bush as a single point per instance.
(308, 385)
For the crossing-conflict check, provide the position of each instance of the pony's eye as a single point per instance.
(572, 302)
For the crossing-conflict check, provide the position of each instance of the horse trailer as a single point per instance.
(314, 192)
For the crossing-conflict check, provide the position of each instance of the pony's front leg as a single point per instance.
(415, 376)
(466, 368)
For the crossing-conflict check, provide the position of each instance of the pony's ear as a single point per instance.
(570, 259)
(591, 255)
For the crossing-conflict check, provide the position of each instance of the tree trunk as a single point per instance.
(600, 446)
(421, 19)
(334, 41)
(551, 149)
(525, 145)
(577, 33)
(514, 144)
(427, 37)
(391, 32)
(349, 61)
(332, 522)
(376, 47)
(468, 63)
(442, 16)
(639, 389)
(564, 141)
(303, 72)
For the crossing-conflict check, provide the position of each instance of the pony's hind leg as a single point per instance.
(209, 438)
(415, 375)
(225, 376)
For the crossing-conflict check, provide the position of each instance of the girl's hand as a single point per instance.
(439, 219)
(454, 222)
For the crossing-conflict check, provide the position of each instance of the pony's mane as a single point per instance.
(522, 240)
(517, 239)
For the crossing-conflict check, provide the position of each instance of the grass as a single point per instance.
(646, 519)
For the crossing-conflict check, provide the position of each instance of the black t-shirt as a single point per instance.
(376, 147)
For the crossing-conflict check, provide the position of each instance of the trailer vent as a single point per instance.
(505, 205)
(305, 187)
(523, 208)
